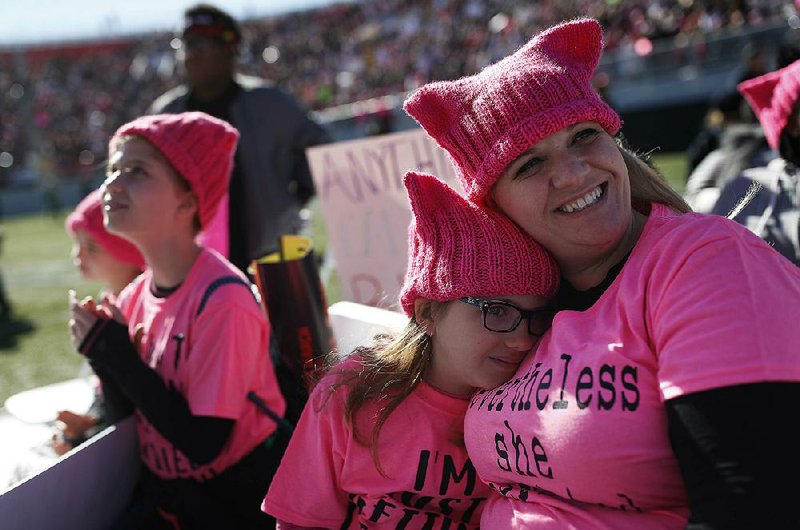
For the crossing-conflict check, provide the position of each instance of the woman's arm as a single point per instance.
(737, 448)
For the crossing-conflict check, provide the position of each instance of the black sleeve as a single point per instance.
(307, 133)
(115, 404)
(200, 438)
(738, 449)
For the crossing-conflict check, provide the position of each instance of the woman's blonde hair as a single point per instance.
(647, 184)
(385, 373)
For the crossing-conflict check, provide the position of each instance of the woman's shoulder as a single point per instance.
(674, 238)
(665, 227)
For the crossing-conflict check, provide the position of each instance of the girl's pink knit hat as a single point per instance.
(772, 97)
(457, 248)
(88, 217)
(487, 120)
(199, 147)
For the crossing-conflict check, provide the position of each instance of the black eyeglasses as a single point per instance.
(503, 317)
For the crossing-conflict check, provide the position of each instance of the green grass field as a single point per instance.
(36, 268)
(37, 272)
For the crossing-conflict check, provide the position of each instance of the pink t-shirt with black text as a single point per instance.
(213, 360)
(578, 438)
(328, 480)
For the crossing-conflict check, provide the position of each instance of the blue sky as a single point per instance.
(31, 21)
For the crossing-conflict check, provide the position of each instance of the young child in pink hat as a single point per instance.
(98, 254)
(186, 342)
(664, 395)
(114, 262)
(380, 442)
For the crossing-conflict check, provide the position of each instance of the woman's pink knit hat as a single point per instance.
(487, 120)
(457, 248)
(199, 147)
(88, 218)
(772, 97)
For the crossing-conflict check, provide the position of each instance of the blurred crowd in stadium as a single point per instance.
(60, 103)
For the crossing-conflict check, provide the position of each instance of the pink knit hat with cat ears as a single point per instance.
(199, 147)
(772, 97)
(487, 120)
(88, 217)
(457, 248)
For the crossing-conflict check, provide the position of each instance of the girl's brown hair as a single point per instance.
(386, 373)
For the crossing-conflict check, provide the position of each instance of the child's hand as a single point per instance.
(110, 310)
(84, 314)
(71, 430)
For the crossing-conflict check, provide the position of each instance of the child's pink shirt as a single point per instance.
(213, 360)
(578, 439)
(328, 480)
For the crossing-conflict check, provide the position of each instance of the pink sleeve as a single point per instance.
(306, 489)
(283, 525)
(725, 315)
(228, 349)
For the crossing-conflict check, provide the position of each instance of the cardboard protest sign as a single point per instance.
(360, 187)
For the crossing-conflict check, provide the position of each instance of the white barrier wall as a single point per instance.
(85, 490)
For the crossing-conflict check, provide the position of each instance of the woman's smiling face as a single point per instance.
(570, 192)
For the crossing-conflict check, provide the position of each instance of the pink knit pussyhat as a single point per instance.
(457, 248)
(88, 218)
(487, 120)
(772, 97)
(199, 147)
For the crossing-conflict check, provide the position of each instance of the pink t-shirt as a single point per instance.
(578, 438)
(213, 360)
(328, 480)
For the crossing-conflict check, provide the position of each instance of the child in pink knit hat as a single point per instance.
(659, 398)
(98, 254)
(114, 262)
(380, 442)
(186, 343)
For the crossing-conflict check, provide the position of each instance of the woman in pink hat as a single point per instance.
(114, 262)
(380, 442)
(186, 343)
(662, 396)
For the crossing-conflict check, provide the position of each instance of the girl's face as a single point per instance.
(92, 260)
(570, 192)
(143, 197)
(466, 356)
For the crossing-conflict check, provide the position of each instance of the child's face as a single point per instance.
(92, 260)
(143, 197)
(467, 356)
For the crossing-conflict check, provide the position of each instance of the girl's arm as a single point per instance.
(200, 438)
(737, 450)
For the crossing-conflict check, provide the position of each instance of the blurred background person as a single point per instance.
(271, 181)
(767, 199)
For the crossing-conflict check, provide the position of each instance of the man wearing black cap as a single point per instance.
(271, 179)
